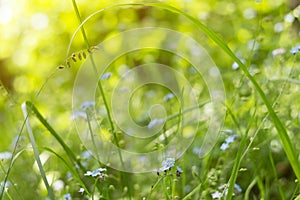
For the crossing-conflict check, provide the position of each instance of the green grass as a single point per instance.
(256, 155)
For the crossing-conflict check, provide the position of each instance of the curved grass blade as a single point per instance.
(288, 146)
(72, 170)
(36, 153)
(71, 155)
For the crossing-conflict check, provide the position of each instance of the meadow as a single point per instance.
(170, 99)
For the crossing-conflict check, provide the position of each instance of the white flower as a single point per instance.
(5, 155)
(81, 190)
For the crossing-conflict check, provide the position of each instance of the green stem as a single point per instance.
(36, 153)
(275, 175)
(79, 19)
(174, 188)
(154, 186)
(92, 134)
(69, 152)
(103, 98)
(189, 195)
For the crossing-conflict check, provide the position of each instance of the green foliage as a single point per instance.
(44, 44)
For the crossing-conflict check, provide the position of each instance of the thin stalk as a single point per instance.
(36, 153)
(275, 175)
(72, 170)
(247, 192)
(79, 19)
(69, 152)
(103, 97)
(154, 187)
(165, 188)
(238, 160)
(174, 188)
(92, 134)
(288, 146)
(13, 157)
(189, 195)
(261, 187)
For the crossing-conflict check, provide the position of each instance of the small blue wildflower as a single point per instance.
(216, 195)
(168, 163)
(87, 104)
(168, 97)
(295, 49)
(230, 139)
(155, 122)
(224, 146)
(58, 185)
(197, 150)
(81, 190)
(97, 172)
(236, 66)
(179, 169)
(237, 188)
(106, 76)
(67, 196)
(86, 155)
(78, 115)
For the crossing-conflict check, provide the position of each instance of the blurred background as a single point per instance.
(35, 35)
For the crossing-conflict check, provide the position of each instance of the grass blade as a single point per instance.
(36, 153)
(288, 146)
(72, 170)
(69, 152)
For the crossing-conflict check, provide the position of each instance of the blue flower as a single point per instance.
(216, 195)
(87, 104)
(167, 164)
(224, 146)
(197, 150)
(168, 97)
(179, 169)
(106, 76)
(237, 188)
(67, 196)
(295, 49)
(230, 139)
(78, 115)
(155, 122)
(98, 172)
